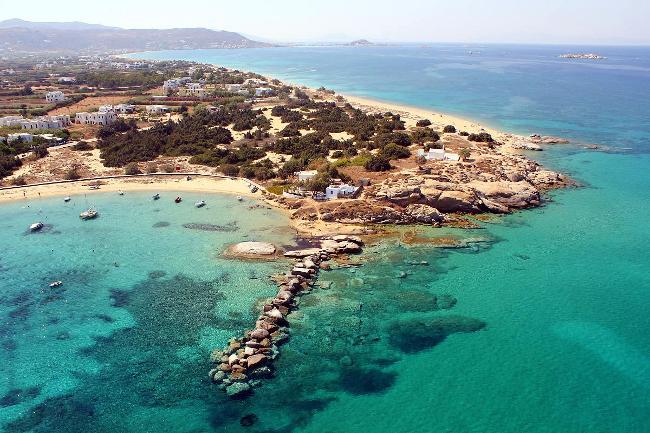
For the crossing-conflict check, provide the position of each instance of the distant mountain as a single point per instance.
(73, 25)
(25, 36)
(360, 42)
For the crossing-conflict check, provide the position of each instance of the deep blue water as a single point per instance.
(562, 290)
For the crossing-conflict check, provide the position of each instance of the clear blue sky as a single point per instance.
(522, 21)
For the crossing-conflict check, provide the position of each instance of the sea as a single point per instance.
(538, 321)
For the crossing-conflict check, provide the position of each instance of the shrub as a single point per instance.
(82, 146)
(131, 169)
(420, 160)
(229, 169)
(167, 168)
(464, 153)
(463, 133)
(264, 173)
(72, 174)
(433, 146)
(337, 154)
(247, 172)
(449, 129)
(482, 137)
(377, 163)
(423, 123)
(41, 151)
(395, 151)
(151, 167)
(19, 181)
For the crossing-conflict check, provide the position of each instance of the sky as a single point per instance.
(476, 21)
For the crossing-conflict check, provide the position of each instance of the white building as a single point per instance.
(193, 89)
(157, 109)
(438, 155)
(11, 120)
(23, 136)
(234, 88)
(46, 122)
(263, 91)
(171, 85)
(255, 82)
(96, 118)
(304, 176)
(343, 190)
(67, 80)
(54, 97)
(119, 108)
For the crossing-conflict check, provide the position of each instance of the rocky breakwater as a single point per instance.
(248, 360)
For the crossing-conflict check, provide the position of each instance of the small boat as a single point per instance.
(178, 200)
(88, 214)
(240, 198)
(200, 203)
(36, 226)
(254, 189)
(66, 199)
(156, 196)
(93, 187)
(120, 192)
(56, 284)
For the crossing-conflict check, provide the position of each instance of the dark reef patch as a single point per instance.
(412, 336)
(161, 224)
(18, 396)
(360, 381)
(229, 227)
(157, 274)
(248, 420)
(105, 318)
(119, 298)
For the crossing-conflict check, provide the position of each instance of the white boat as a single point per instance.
(88, 214)
(120, 192)
(56, 284)
(200, 203)
(36, 226)
(156, 196)
(240, 198)
(67, 199)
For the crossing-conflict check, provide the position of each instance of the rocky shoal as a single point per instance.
(248, 360)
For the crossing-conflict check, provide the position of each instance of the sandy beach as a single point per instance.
(153, 183)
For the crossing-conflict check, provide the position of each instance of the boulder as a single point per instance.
(256, 360)
(259, 334)
(349, 247)
(349, 238)
(238, 389)
(233, 359)
(455, 201)
(424, 214)
(299, 254)
(251, 250)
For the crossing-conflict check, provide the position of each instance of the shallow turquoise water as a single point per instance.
(562, 290)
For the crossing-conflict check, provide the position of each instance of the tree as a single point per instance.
(82, 146)
(229, 169)
(377, 163)
(26, 91)
(449, 129)
(423, 123)
(395, 151)
(41, 151)
(482, 137)
(72, 174)
(151, 167)
(464, 153)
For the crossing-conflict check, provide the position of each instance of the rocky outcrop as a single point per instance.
(238, 368)
(251, 250)
(424, 214)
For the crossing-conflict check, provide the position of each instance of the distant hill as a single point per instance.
(73, 25)
(25, 36)
(360, 42)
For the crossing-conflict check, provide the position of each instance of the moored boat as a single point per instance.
(156, 196)
(66, 199)
(178, 200)
(88, 214)
(120, 192)
(56, 284)
(36, 226)
(240, 198)
(199, 203)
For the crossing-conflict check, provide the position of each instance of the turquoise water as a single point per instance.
(539, 324)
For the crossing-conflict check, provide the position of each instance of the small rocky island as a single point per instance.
(584, 56)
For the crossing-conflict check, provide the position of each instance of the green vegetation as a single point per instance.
(395, 151)
(116, 79)
(132, 169)
(464, 153)
(378, 163)
(482, 137)
(423, 123)
(72, 174)
(82, 146)
(449, 129)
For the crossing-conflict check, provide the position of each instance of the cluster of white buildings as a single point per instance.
(156, 109)
(96, 118)
(119, 108)
(334, 191)
(438, 155)
(54, 97)
(185, 87)
(248, 88)
(43, 122)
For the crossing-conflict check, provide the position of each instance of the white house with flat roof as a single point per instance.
(438, 155)
(306, 175)
(193, 89)
(263, 91)
(23, 136)
(157, 109)
(343, 190)
(54, 97)
(96, 118)
(46, 122)
(11, 120)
